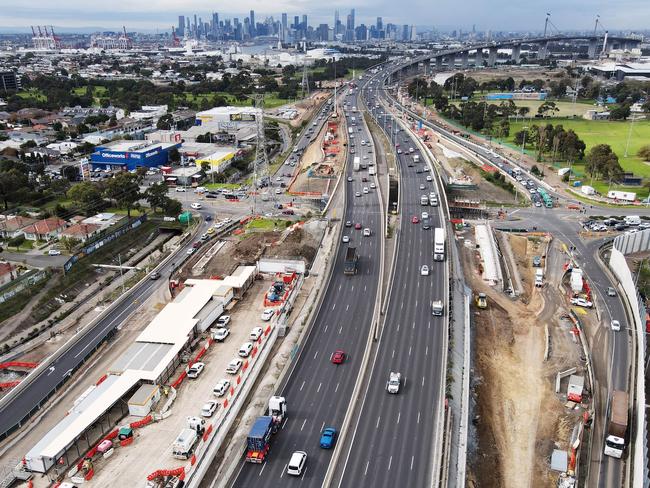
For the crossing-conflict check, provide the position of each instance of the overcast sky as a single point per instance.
(442, 14)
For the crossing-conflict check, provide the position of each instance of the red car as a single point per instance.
(415, 219)
(357, 226)
(338, 357)
(196, 245)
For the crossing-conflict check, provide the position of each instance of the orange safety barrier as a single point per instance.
(225, 403)
(238, 379)
(9, 384)
(126, 442)
(245, 365)
(179, 380)
(112, 435)
(267, 331)
(30, 484)
(101, 380)
(254, 352)
(232, 390)
(199, 355)
(193, 459)
(89, 475)
(17, 364)
(180, 472)
(141, 423)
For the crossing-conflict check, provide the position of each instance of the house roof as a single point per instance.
(81, 230)
(45, 226)
(5, 268)
(15, 223)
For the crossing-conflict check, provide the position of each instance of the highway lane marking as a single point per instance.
(366, 471)
(390, 461)
(303, 424)
(262, 470)
(393, 353)
(283, 470)
(423, 381)
(426, 351)
(399, 416)
(337, 388)
(322, 427)
(414, 324)
(126, 310)
(429, 325)
(397, 327)
(319, 385)
(340, 329)
(409, 350)
(378, 419)
(412, 459)
(418, 417)
(365, 288)
(347, 307)
(302, 386)
(352, 288)
(401, 305)
(340, 286)
(334, 306)
(326, 326)
(285, 421)
(316, 354)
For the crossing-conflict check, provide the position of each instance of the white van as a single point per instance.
(424, 200)
(297, 463)
(632, 220)
(196, 206)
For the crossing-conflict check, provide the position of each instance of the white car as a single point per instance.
(581, 302)
(366, 232)
(267, 314)
(429, 178)
(53, 252)
(256, 333)
(196, 206)
(245, 349)
(424, 270)
(357, 194)
(346, 239)
(223, 321)
(180, 189)
(365, 190)
(233, 366)
(278, 191)
(425, 215)
(195, 370)
(373, 186)
(220, 335)
(221, 388)
(616, 325)
(209, 408)
(190, 250)
(296, 464)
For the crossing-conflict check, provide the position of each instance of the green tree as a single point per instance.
(547, 107)
(14, 184)
(166, 122)
(87, 195)
(156, 195)
(69, 243)
(124, 190)
(644, 153)
(16, 241)
(603, 162)
(174, 155)
(172, 207)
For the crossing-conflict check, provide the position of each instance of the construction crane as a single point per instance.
(176, 42)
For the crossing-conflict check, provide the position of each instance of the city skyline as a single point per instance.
(497, 15)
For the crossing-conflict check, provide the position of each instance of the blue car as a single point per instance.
(327, 438)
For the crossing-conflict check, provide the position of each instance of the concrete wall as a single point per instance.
(626, 244)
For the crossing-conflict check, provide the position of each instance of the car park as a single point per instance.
(256, 333)
(220, 335)
(616, 325)
(195, 370)
(233, 366)
(223, 321)
(209, 408)
(221, 387)
(245, 349)
(267, 314)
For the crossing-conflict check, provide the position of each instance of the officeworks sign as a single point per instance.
(114, 155)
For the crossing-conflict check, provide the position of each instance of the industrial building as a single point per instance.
(227, 118)
(129, 387)
(128, 155)
(9, 81)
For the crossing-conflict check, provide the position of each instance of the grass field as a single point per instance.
(267, 224)
(271, 100)
(98, 91)
(567, 109)
(32, 93)
(218, 186)
(614, 133)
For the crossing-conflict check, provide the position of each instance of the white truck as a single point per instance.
(437, 308)
(350, 130)
(416, 158)
(371, 170)
(632, 220)
(183, 446)
(424, 200)
(439, 244)
(356, 164)
(539, 277)
(626, 196)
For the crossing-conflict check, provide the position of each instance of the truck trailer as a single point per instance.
(356, 164)
(617, 425)
(259, 437)
(439, 244)
(351, 258)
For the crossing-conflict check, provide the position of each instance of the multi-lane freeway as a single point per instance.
(317, 391)
(393, 442)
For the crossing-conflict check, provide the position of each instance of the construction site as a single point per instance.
(531, 390)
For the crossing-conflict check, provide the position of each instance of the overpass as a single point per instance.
(449, 56)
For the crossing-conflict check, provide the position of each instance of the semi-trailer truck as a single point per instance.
(617, 425)
(439, 244)
(259, 437)
(351, 258)
(356, 163)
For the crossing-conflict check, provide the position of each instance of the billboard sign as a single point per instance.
(242, 117)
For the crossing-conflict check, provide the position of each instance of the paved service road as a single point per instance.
(30, 398)
(318, 392)
(394, 438)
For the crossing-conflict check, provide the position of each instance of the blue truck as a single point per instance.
(258, 441)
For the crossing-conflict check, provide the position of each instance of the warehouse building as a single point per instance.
(226, 118)
(151, 360)
(128, 155)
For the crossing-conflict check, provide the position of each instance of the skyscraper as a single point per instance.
(252, 23)
(337, 22)
(180, 31)
(304, 22)
(195, 29)
(283, 29)
(380, 24)
(296, 22)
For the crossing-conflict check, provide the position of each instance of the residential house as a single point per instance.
(13, 226)
(6, 273)
(45, 230)
(81, 231)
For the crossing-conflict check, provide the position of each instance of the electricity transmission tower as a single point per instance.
(261, 163)
(304, 84)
